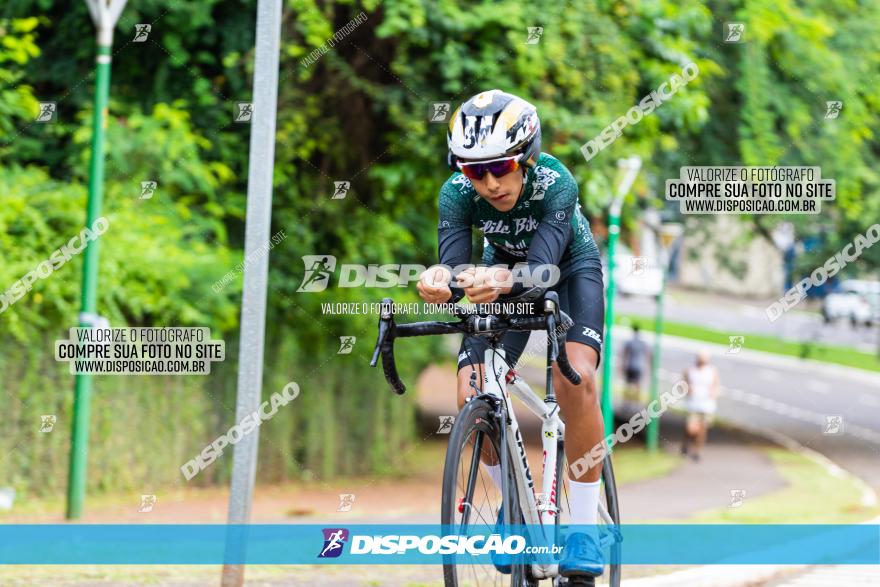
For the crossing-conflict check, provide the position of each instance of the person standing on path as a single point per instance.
(704, 388)
(636, 358)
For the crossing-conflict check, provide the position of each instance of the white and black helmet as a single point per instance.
(494, 124)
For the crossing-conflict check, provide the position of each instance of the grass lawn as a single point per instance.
(817, 351)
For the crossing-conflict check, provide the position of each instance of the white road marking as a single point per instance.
(768, 375)
(818, 386)
(798, 413)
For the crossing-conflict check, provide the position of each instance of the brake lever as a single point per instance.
(380, 340)
(554, 313)
(385, 321)
(565, 322)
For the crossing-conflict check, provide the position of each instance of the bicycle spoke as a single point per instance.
(479, 501)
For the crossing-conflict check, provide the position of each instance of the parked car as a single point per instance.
(855, 300)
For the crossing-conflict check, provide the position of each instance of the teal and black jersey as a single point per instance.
(546, 226)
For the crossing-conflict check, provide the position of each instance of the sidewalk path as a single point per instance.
(731, 462)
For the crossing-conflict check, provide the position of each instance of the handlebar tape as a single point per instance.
(559, 349)
(567, 370)
(390, 369)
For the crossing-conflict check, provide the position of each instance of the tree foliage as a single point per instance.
(359, 113)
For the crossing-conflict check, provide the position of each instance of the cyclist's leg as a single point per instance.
(582, 297)
(579, 407)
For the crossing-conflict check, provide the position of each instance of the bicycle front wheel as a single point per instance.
(472, 498)
(609, 513)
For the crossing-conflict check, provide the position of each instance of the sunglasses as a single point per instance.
(497, 167)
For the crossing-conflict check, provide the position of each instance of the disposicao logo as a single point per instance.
(334, 542)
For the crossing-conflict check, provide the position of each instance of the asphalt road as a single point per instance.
(832, 410)
(827, 408)
(741, 317)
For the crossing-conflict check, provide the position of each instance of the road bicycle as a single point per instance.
(487, 429)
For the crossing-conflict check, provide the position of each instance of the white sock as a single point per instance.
(584, 503)
(495, 473)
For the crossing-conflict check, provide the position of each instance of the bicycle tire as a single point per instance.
(477, 417)
(612, 504)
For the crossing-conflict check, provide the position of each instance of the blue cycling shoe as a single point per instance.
(583, 557)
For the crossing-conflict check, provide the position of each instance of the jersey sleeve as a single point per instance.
(554, 231)
(454, 230)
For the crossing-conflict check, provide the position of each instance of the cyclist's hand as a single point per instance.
(484, 284)
(433, 285)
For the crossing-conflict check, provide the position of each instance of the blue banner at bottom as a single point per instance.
(295, 544)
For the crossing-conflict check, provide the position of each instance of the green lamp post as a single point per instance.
(630, 169)
(105, 14)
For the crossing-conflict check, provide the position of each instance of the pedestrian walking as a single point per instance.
(704, 387)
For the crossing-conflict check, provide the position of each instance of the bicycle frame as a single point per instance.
(536, 514)
(539, 515)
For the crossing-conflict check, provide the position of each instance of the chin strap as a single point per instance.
(522, 190)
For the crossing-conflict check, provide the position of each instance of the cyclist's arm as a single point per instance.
(454, 234)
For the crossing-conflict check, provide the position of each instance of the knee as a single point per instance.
(586, 390)
(589, 381)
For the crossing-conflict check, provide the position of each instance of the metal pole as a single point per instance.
(631, 169)
(104, 16)
(253, 306)
(653, 434)
(608, 366)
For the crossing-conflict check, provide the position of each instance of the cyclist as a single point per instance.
(525, 204)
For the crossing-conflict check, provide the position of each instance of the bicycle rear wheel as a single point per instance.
(471, 498)
(609, 516)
